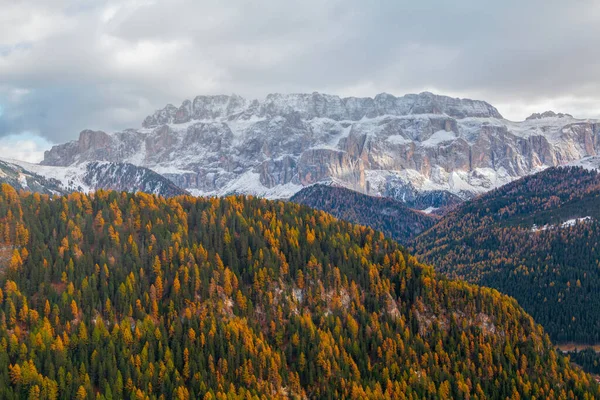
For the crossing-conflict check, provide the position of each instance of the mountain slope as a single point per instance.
(399, 147)
(537, 239)
(389, 216)
(86, 177)
(119, 295)
(23, 179)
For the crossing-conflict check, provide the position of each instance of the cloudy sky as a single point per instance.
(67, 65)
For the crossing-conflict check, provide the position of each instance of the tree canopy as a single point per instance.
(117, 295)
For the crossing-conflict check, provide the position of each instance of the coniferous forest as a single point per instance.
(537, 239)
(383, 214)
(117, 295)
(588, 359)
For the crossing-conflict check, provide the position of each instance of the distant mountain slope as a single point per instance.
(85, 177)
(401, 147)
(130, 178)
(134, 296)
(23, 179)
(389, 216)
(536, 239)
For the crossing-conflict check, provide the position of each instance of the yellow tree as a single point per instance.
(16, 262)
(81, 393)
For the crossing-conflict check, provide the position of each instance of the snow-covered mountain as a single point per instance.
(403, 147)
(590, 163)
(20, 178)
(86, 177)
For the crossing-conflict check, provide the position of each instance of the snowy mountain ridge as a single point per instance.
(85, 177)
(401, 147)
(317, 105)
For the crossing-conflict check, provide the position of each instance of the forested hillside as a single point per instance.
(536, 239)
(387, 215)
(588, 359)
(117, 295)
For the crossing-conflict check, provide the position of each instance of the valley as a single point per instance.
(571, 346)
(392, 217)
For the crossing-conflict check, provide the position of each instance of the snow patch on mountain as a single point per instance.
(398, 139)
(590, 163)
(465, 184)
(249, 183)
(438, 138)
(70, 178)
(567, 224)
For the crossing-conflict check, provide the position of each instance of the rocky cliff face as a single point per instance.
(386, 145)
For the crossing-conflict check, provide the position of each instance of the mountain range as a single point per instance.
(366, 161)
(248, 296)
(424, 149)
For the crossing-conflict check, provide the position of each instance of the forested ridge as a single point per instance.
(117, 295)
(387, 215)
(524, 240)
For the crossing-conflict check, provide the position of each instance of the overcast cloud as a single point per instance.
(70, 65)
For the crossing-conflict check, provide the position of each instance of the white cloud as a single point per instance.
(24, 147)
(67, 65)
(20, 22)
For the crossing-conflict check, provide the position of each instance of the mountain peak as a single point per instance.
(319, 105)
(548, 114)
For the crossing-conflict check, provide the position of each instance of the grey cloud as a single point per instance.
(109, 63)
